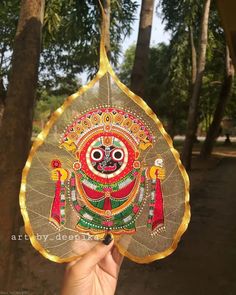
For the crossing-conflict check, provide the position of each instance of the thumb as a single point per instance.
(96, 254)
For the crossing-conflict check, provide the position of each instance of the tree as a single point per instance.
(224, 95)
(157, 73)
(15, 132)
(194, 101)
(2, 99)
(127, 64)
(139, 71)
(71, 35)
(166, 84)
(182, 20)
(176, 92)
(9, 11)
(187, 20)
(71, 40)
(107, 10)
(8, 23)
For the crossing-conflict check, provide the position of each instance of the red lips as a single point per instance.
(107, 168)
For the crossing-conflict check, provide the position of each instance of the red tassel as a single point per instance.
(55, 215)
(158, 215)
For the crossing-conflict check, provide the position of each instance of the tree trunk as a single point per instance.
(107, 21)
(224, 95)
(15, 132)
(194, 101)
(193, 56)
(140, 67)
(107, 10)
(2, 99)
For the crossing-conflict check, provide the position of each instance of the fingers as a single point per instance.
(90, 259)
(117, 256)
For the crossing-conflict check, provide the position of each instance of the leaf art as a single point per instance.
(104, 163)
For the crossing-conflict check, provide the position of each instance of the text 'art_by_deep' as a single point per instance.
(104, 164)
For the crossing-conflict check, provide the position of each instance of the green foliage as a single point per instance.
(36, 130)
(127, 65)
(46, 106)
(72, 35)
(180, 16)
(9, 11)
(214, 72)
(51, 97)
(166, 97)
(169, 82)
(231, 106)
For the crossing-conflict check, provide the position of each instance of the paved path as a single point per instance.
(205, 261)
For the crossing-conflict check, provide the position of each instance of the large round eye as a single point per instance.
(117, 155)
(97, 155)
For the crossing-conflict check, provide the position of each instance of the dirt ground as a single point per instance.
(204, 262)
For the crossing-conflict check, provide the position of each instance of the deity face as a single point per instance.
(106, 156)
(107, 159)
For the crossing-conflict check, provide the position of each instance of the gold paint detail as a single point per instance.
(105, 67)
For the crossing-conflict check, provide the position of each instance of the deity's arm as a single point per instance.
(156, 174)
(59, 175)
(157, 171)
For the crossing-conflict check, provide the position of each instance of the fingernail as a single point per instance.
(107, 240)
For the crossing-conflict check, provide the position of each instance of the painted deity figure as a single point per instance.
(107, 183)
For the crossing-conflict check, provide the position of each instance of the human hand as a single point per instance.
(94, 273)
